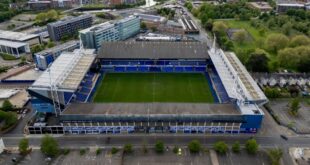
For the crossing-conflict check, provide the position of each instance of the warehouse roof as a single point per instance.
(150, 108)
(153, 50)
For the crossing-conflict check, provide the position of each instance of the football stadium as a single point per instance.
(146, 87)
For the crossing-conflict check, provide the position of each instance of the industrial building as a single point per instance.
(68, 26)
(45, 57)
(151, 20)
(14, 48)
(188, 25)
(110, 31)
(67, 92)
(30, 39)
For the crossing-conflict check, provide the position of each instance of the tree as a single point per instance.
(23, 146)
(7, 106)
(41, 17)
(220, 147)
(275, 155)
(275, 42)
(9, 118)
(219, 27)
(251, 146)
(258, 57)
(295, 58)
(240, 36)
(159, 147)
(287, 28)
(52, 15)
(294, 107)
(37, 48)
(194, 146)
(299, 40)
(236, 147)
(188, 5)
(143, 25)
(128, 148)
(262, 31)
(49, 146)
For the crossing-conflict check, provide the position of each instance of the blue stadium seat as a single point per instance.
(131, 69)
(81, 97)
(167, 69)
(179, 69)
(200, 69)
(188, 69)
(119, 69)
(143, 69)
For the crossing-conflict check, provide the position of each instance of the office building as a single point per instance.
(68, 26)
(109, 31)
(92, 37)
(128, 27)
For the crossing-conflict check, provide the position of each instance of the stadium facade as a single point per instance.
(237, 96)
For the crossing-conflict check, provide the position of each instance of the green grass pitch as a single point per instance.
(154, 87)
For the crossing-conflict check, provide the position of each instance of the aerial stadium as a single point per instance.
(146, 87)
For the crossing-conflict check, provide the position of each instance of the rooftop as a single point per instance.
(148, 17)
(59, 47)
(236, 79)
(12, 44)
(69, 19)
(153, 50)
(67, 71)
(16, 36)
(99, 27)
(150, 108)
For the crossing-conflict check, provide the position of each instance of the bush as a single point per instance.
(66, 151)
(23, 146)
(220, 147)
(82, 151)
(272, 92)
(275, 156)
(49, 146)
(114, 150)
(294, 107)
(236, 147)
(159, 147)
(8, 57)
(3, 69)
(175, 149)
(98, 151)
(128, 148)
(251, 146)
(194, 146)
